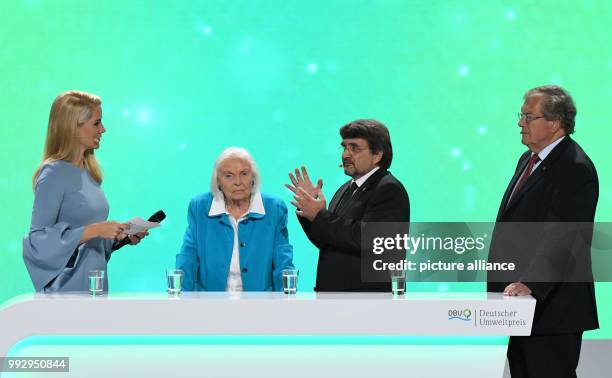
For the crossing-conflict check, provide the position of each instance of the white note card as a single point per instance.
(136, 225)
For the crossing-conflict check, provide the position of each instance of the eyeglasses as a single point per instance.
(528, 117)
(352, 148)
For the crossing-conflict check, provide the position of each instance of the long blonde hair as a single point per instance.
(70, 110)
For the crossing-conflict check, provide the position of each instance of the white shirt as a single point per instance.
(545, 151)
(234, 277)
(365, 177)
(542, 155)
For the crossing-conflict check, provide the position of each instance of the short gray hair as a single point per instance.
(229, 153)
(556, 105)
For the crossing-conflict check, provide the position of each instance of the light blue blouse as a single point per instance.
(66, 199)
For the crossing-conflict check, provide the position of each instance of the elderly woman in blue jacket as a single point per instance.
(236, 237)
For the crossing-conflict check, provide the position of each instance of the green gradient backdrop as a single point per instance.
(182, 80)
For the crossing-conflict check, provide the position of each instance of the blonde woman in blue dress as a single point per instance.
(69, 233)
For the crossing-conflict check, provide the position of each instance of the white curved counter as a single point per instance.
(264, 314)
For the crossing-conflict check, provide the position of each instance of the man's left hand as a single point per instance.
(307, 206)
(517, 289)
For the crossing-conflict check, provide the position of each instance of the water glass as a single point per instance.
(175, 279)
(290, 280)
(398, 282)
(96, 282)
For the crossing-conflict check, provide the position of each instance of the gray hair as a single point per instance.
(229, 153)
(556, 105)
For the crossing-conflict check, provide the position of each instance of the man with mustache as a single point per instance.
(371, 195)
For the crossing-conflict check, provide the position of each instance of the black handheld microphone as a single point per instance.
(157, 217)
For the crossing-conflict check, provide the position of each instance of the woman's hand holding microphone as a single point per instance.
(106, 230)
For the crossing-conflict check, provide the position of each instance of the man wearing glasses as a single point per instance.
(371, 195)
(555, 183)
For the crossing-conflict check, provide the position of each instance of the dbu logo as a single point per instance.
(460, 315)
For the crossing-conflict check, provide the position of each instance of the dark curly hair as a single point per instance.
(375, 133)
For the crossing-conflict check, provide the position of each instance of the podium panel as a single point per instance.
(228, 334)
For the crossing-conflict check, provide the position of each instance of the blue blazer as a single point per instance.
(208, 242)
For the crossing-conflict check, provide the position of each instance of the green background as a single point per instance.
(180, 81)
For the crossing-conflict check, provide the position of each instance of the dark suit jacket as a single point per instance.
(337, 231)
(563, 188)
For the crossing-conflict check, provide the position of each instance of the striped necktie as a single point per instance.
(525, 176)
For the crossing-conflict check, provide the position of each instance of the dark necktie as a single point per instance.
(525, 176)
(346, 196)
